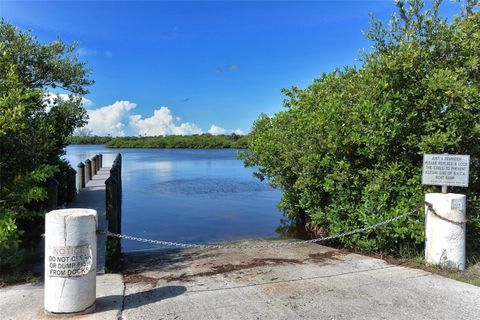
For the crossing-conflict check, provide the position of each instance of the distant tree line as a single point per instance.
(202, 141)
(88, 140)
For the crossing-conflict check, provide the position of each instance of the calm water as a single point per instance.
(188, 195)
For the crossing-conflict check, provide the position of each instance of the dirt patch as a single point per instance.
(137, 278)
(182, 278)
(161, 260)
(229, 268)
(323, 256)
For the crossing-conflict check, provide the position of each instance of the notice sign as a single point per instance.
(70, 261)
(446, 170)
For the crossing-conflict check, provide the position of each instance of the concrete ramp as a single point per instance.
(305, 282)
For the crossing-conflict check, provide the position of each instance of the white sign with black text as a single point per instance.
(446, 170)
(70, 261)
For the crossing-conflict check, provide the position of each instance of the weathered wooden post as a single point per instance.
(97, 162)
(101, 160)
(81, 176)
(118, 161)
(445, 220)
(52, 193)
(71, 188)
(117, 165)
(94, 165)
(88, 170)
(120, 191)
(111, 186)
(115, 173)
(70, 261)
(113, 214)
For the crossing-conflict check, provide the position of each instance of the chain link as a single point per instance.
(269, 244)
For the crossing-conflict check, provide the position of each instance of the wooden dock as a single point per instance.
(93, 197)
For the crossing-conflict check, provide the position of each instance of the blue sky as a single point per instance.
(181, 67)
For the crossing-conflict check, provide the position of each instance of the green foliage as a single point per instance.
(44, 65)
(88, 139)
(33, 132)
(203, 141)
(347, 150)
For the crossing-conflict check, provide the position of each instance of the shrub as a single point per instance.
(347, 150)
(33, 132)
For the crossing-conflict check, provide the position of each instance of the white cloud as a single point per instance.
(216, 130)
(82, 52)
(86, 52)
(228, 68)
(171, 35)
(49, 100)
(161, 123)
(110, 120)
(118, 119)
(87, 103)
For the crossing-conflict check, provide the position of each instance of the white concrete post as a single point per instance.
(445, 230)
(70, 261)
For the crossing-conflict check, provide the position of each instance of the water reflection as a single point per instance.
(293, 228)
(209, 186)
(156, 165)
(189, 195)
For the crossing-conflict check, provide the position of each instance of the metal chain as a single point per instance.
(432, 211)
(268, 245)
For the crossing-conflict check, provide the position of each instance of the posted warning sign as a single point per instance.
(69, 261)
(446, 169)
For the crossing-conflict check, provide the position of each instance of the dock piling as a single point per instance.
(81, 176)
(88, 170)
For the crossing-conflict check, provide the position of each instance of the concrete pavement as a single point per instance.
(24, 302)
(301, 282)
(304, 282)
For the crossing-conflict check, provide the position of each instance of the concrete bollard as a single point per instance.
(81, 176)
(445, 230)
(88, 170)
(70, 261)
